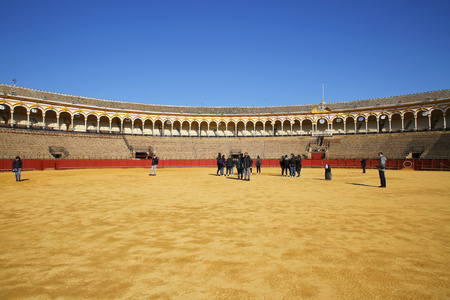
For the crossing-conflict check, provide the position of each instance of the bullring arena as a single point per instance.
(87, 221)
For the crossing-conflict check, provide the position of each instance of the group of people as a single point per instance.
(243, 163)
(293, 165)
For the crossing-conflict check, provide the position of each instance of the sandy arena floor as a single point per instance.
(187, 234)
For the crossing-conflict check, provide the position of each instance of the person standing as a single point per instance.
(293, 164)
(381, 169)
(363, 165)
(240, 166)
(247, 165)
(218, 163)
(282, 165)
(155, 162)
(17, 167)
(327, 172)
(298, 165)
(258, 165)
(286, 165)
(229, 165)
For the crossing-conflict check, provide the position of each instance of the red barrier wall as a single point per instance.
(6, 165)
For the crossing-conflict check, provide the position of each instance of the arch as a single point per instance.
(231, 129)
(213, 129)
(423, 118)
(338, 125)
(91, 123)
(307, 126)
(250, 129)
(104, 124)
(185, 128)
(158, 128)
(204, 128)
(36, 118)
(383, 123)
(65, 121)
(222, 126)
(176, 129)
(360, 124)
(269, 128)
(5, 114)
(79, 122)
(138, 126)
(372, 124)
(240, 125)
(437, 119)
(19, 116)
(396, 122)
(259, 128)
(195, 128)
(296, 128)
(322, 125)
(51, 119)
(409, 121)
(277, 128)
(286, 128)
(116, 125)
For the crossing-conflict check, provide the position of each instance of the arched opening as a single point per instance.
(79, 122)
(307, 126)
(360, 124)
(104, 124)
(277, 129)
(396, 123)
(269, 128)
(240, 128)
(148, 127)
(322, 126)
(137, 127)
(249, 129)
(36, 118)
(372, 124)
(338, 125)
(213, 129)
(423, 120)
(5, 115)
(437, 120)
(231, 130)
(176, 128)
(185, 128)
(195, 128)
(222, 128)
(20, 116)
(259, 128)
(286, 128)
(158, 128)
(51, 121)
(383, 123)
(65, 121)
(116, 125)
(204, 128)
(296, 130)
(409, 121)
(91, 123)
(350, 125)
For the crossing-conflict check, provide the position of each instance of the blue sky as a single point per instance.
(227, 53)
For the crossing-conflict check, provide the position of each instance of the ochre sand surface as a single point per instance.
(188, 234)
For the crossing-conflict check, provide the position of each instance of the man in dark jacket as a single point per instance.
(248, 162)
(230, 166)
(17, 167)
(240, 166)
(286, 164)
(155, 162)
